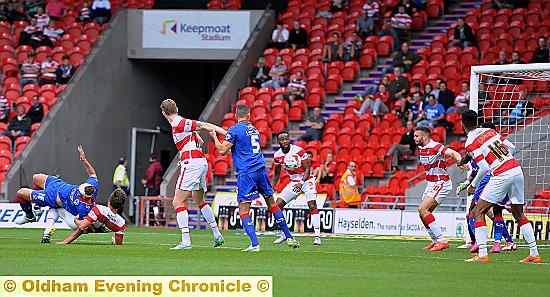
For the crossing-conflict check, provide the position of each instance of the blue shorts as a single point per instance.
(48, 196)
(251, 184)
(482, 185)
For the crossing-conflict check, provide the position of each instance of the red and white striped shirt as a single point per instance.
(371, 8)
(297, 152)
(42, 20)
(401, 20)
(111, 220)
(491, 153)
(49, 75)
(186, 141)
(53, 33)
(30, 70)
(29, 29)
(433, 158)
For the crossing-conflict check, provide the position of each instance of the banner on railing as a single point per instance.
(9, 212)
(193, 29)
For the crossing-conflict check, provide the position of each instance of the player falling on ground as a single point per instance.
(295, 161)
(495, 214)
(439, 185)
(101, 217)
(193, 166)
(243, 141)
(492, 156)
(56, 193)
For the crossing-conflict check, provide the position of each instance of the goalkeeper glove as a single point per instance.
(462, 186)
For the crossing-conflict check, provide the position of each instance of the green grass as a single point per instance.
(340, 267)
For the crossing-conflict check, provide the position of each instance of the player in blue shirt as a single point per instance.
(56, 193)
(243, 140)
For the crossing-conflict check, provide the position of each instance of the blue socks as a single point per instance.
(249, 228)
(27, 208)
(471, 220)
(498, 225)
(280, 219)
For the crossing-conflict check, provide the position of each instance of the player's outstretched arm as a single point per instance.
(209, 126)
(223, 148)
(89, 168)
(276, 175)
(71, 237)
(454, 154)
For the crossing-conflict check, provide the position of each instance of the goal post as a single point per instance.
(516, 98)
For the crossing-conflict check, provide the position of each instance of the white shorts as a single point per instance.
(438, 190)
(192, 175)
(500, 185)
(309, 188)
(67, 217)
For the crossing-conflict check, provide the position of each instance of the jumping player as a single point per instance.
(56, 193)
(492, 156)
(243, 140)
(102, 215)
(301, 181)
(439, 185)
(192, 179)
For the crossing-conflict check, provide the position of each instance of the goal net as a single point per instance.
(516, 98)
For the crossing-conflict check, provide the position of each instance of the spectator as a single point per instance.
(353, 47)
(66, 71)
(520, 111)
(410, 7)
(28, 31)
(334, 50)
(297, 37)
(541, 54)
(482, 94)
(101, 10)
(49, 70)
(120, 178)
(55, 9)
(279, 37)
(399, 86)
(152, 181)
(295, 90)
(446, 97)
(405, 147)
(315, 125)
(42, 19)
(278, 74)
(29, 71)
(404, 59)
(428, 89)
(499, 4)
(337, 5)
(52, 33)
(348, 190)
(369, 16)
(85, 13)
(463, 36)
(412, 109)
(378, 103)
(31, 6)
(5, 13)
(462, 100)
(433, 115)
(502, 58)
(372, 89)
(325, 173)
(4, 109)
(416, 88)
(36, 112)
(20, 125)
(400, 27)
(259, 74)
(516, 59)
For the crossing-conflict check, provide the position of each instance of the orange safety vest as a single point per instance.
(348, 193)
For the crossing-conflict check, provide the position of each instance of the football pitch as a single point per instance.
(352, 266)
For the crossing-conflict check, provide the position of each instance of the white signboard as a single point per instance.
(230, 198)
(372, 222)
(451, 224)
(10, 211)
(192, 29)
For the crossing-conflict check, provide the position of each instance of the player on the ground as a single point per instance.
(56, 193)
(492, 156)
(102, 216)
(495, 214)
(295, 161)
(243, 141)
(193, 166)
(439, 185)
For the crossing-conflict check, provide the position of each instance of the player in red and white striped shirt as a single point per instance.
(192, 179)
(100, 216)
(301, 181)
(439, 185)
(492, 156)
